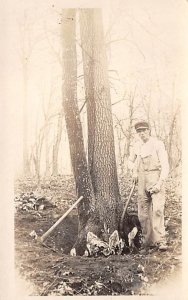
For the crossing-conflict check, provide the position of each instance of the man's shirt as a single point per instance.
(152, 147)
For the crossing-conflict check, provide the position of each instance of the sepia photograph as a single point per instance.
(95, 107)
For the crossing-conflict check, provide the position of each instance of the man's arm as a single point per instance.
(131, 160)
(163, 158)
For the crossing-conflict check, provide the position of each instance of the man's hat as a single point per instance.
(141, 125)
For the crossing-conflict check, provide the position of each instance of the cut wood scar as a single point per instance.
(51, 229)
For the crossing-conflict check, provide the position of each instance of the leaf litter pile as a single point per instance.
(50, 268)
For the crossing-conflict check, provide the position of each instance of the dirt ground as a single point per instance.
(52, 271)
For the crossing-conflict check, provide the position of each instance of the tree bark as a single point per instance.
(101, 150)
(72, 118)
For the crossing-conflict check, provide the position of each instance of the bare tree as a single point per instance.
(28, 40)
(164, 122)
(101, 151)
(25, 54)
(173, 139)
(124, 129)
(57, 143)
(46, 114)
(35, 155)
(72, 118)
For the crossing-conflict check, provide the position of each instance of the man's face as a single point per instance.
(144, 134)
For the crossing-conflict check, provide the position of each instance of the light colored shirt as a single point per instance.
(152, 147)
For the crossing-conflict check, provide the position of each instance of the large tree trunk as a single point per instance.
(101, 150)
(72, 118)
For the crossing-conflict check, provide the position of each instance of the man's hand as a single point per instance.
(135, 178)
(155, 188)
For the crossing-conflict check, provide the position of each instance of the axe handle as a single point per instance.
(51, 229)
(125, 208)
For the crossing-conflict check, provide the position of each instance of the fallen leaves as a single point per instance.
(31, 201)
(130, 274)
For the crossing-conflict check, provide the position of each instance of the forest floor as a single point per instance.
(50, 270)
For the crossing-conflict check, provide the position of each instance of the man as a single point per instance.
(150, 170)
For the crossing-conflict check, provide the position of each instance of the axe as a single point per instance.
(51, 229)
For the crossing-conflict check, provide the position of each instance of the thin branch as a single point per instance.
(127, 40)
(118, 101)
(57, 55)
(121, 126)
(83, 106)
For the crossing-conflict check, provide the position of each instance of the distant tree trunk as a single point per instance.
(26, 166)
(57, 144)
(101, 150)
(37, 167)
(25, 55)
(72, 118)
(47, 152)
(36, 154)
